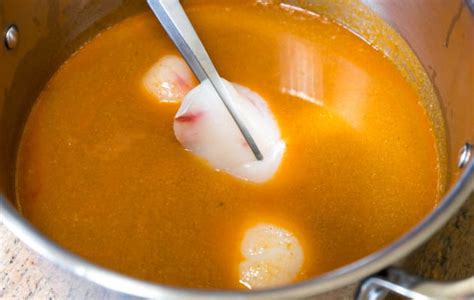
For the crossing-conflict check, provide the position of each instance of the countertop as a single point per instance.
(24, 275)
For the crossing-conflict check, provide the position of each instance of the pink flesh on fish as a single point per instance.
(169, 79)
(204, 127)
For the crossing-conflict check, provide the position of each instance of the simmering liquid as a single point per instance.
(101, 173)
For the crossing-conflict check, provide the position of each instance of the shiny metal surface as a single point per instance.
(441, 34)
(465, 155)
(413, 287)
(173, 18)
(12, 37)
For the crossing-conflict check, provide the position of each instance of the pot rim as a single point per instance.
(338, 278)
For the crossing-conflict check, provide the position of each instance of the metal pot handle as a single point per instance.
(410, 286)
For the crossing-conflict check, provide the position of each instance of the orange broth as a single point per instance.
(101, 173)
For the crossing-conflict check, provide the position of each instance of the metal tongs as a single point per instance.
(174, 20)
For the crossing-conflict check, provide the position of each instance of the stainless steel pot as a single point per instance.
(39, 35)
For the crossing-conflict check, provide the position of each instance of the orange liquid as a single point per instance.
(101, 173)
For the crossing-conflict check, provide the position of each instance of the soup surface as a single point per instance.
(101, 172)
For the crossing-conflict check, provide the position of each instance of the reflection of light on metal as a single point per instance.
(301, 70)
(349, 94)
(292, 8)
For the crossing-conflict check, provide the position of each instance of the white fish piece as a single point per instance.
(272, 255)
(204, 126)
(169, 79)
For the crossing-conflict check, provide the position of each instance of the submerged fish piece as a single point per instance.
(169, 79)
(205, 127)
(272, 255)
